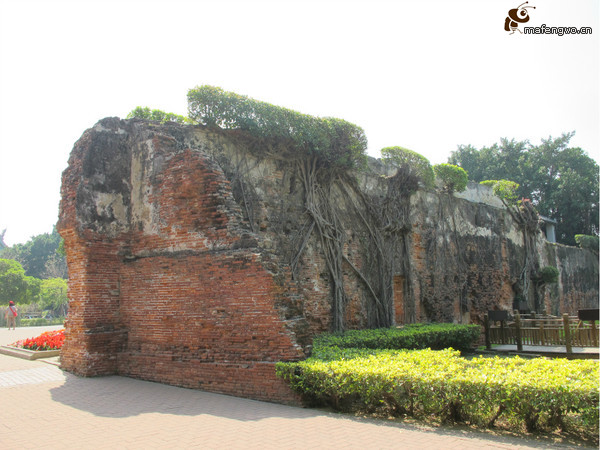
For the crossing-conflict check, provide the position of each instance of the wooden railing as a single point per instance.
(529, 329)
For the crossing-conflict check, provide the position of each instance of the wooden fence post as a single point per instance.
(594, 333)
(486, 326)
(567, 328)
(518, 331)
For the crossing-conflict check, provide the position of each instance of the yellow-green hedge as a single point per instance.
(540, 393)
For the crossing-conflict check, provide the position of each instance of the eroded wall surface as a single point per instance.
(165, 282)
(193, 259)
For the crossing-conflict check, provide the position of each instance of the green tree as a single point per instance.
(418, 164)
(561, 181)
(2, 243)
(53, 296)
(15, 285)
(39, 256)
(500, 161)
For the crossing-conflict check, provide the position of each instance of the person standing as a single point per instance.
(11, 315)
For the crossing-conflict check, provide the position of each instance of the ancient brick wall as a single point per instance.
(467, 258)
(166, 284)
(577, 287)
(193, 260)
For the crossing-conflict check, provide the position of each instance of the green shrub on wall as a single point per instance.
(418, 163)
(549, 275)
(335, 142)
(505, 189)
(588, 242)
(155, 114)
(453, 177)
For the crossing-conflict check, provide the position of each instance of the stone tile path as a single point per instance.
(42, 407)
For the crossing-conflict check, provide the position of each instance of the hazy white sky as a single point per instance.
(426, 75)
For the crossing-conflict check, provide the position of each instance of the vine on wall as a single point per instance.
(527, 218)
(390, 236)
(322, 151)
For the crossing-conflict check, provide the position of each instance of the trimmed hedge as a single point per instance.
(40, 322)
(336, 142)
(364, 370)
(436, 336)
(537, 394)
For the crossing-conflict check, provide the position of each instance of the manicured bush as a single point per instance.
(436, 336)
(418, 163)
(505, 189)
(335, 142)
(522, 394)
(357, 371)
(453, 177)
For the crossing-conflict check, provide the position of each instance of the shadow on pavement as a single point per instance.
(119, 397)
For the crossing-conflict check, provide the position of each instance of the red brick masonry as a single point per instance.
(176, 293)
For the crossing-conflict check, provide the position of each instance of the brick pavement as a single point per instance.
(44, 408)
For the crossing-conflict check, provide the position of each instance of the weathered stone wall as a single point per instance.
(193, 259)
(577, 286)
(467, 258)
(165, 282)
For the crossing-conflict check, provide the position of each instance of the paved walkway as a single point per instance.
(42, 407)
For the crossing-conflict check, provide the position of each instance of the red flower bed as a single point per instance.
(50, 340)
